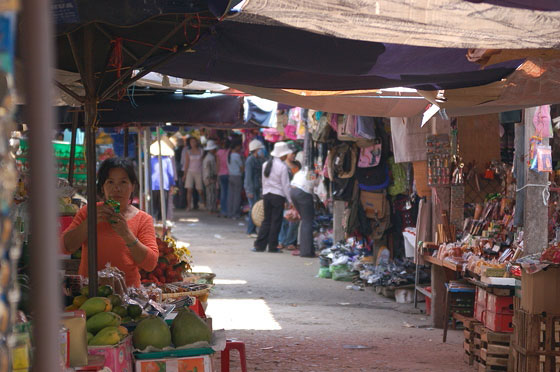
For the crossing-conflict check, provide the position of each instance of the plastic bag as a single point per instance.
(324, 272)
(341, 273)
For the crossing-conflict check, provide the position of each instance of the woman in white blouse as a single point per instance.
(276, 191)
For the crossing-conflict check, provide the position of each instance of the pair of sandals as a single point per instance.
(290, 247)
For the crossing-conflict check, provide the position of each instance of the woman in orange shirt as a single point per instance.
(126, 239)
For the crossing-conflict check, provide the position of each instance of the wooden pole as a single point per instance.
(45, 289)
(535, 213)
(161, 190)
(338, 213)
(139, 142)
(147, 174)
(90, 116)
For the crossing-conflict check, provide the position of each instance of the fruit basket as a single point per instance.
(182, 289)
(201, 278)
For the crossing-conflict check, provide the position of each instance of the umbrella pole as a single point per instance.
(46, 300)
(140, 170)
(90, 117)
(73, 149)
(147, 189)
(161, 190)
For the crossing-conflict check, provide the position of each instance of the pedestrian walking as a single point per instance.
(193, 171)
(168, 174)
(223, 176)
(276, 191)
(253, 180)
(235, 179)
(302, 198)
(210, 176)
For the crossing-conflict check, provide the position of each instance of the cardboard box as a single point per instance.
(541, 291)
(118, 358)
(202, 363)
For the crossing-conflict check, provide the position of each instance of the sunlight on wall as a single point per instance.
(247, 314)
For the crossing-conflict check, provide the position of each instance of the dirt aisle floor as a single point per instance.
(292, 321)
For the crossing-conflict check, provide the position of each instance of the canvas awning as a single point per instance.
(289, 58)
(383, 103)
(442, 23)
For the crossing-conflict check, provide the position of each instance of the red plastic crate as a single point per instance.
(481, 296)
(498, 322)
(479, 310)
(499, 304)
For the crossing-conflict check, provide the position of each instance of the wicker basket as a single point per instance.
(200, 294)
(204, 278)
(257, 213)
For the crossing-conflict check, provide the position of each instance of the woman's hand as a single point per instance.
(105, 213)
(119, 225)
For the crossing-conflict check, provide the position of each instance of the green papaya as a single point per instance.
(102, 320)
(107, 336)
(89, 337)
(95, 305)
(188, 328)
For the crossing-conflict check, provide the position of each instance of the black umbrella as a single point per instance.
(113, 44)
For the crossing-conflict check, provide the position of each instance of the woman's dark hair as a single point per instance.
(235, 143)
(268, 167)
(297, 164)
(111, 163)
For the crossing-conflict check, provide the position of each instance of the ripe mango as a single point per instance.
(102, 320)
(107, 336)
(79, 300)
(71, 308)
(122, 331)
(95, 305)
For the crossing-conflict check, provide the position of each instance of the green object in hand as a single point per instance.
(114, 204)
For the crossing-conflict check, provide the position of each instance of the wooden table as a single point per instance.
(442, 272)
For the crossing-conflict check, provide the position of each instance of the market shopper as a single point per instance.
(302, 198)
(193, 171)
(288, 236)
(253, 180)
(210, 176)
(126, 239)
(168, 176)
(235, 179)
(276, 191)
(223, 176)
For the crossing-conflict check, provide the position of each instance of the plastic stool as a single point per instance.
(234, 345)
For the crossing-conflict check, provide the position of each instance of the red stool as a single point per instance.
(234, 345)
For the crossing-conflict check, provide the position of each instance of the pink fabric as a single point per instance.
(222, 162)
(370, 156)
(542, 121)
